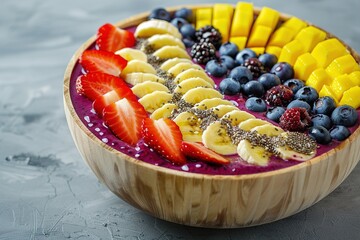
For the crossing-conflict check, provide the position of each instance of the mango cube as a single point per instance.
(203, 17)
(342, 65)
(304, 66)
(326, 51)
(355, 78)
(351, 97)
(291, 51)
(282, 36)
(267, 17)
(340, 84)
(273, 50)
(239, 41)
(223, 25)
(310, 37)
(242, 20)
(327, 91)
(318, 78)
(258, 50)
(222, 10)
(259, 36)
(295, 24)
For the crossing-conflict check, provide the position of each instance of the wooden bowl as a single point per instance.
(206, 200)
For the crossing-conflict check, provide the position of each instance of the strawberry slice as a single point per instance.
(200, 152)
(110, 97)
(124, 118)
(102, 61)
(165, 138)
(111, 38)
(94, 85)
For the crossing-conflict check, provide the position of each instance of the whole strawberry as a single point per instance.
(295, 119)
(279, 96)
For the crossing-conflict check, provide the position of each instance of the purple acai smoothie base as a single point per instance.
(83, 108)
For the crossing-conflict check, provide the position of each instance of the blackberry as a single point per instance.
(255, 67)
(203, 52)
(209, 34)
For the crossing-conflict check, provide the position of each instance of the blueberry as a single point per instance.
(241, 74)
(188, 42)
(255, 104)
(253, 89)
(229, 49)
(268, 60)
(216, 68)
(243, 55)
(344, 115)
(339, 133)
(307, 94)
(283, 70)
(185, 13)
(160, 13)
(229, 86)
(294, 84)
(320, 134)
(188, 31)
(299, 103)
(274, 113)
(228, 61)
(269, 80)
(324, 105)
(321, 120)
(179, 22)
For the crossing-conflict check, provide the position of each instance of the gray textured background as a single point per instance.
(47, 191)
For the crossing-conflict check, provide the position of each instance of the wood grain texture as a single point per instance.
(204, 200)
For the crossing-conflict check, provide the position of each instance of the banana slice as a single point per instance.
(181, 67)
(132, 54)
(191, 83)
(253, 154)
(171, 52)
(163, 112)
(268, 129)
(285, 152)
(247, 125)
(189, 126)
(156, 26)
(217, 139)
(155, 100)
(160, 40)
(221, 110)
(192, 73)
(172, 62)
(139, 77)
(213, 102)
(198, 94)
(137, 66)
(145, 88)
(237, 116)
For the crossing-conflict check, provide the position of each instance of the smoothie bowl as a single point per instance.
(216, 120)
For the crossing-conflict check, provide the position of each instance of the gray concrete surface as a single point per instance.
(47, 191)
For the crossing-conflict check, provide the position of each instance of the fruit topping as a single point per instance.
(160, 13)
(124, 118)
(111, 38)
(241, 74)
(188, 31)
(198, 151)
(324, 105)
(279, 96)
(178, 22)
(203, 52)
(269, 80)
(320, 134)
(321, 120)
(294, 84)
(102, 61)
(299, 103)
(94, 85)
(268, 60)
(283, 70)
(216, 68)
(307, 94)
(255, 104)
(274, 113)
(216, 138)
(165, 137)
(185, 13)
(339, 133)
(253, 89)
(228, 62)
(243, 55)
(209, 34)
(229, 86)
(229, 49)
(255, 67)
(295, 119)
(344, 115)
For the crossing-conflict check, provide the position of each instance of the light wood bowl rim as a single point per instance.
(136, 19)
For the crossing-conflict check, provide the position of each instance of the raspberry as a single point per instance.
(295, 119)
(255, 67)
(279, 96)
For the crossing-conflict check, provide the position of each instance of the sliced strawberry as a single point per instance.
(165, 138)
(110, 97)
(111, 38)
(200, 152)
(102, 61)
(94, 85)
(124, 118)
